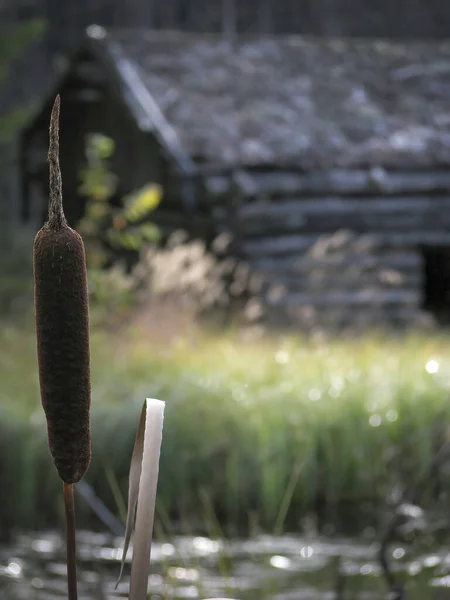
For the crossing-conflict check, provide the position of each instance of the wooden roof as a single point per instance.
(287, 101)
(295, 101)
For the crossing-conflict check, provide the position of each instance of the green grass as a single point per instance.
(268, 431)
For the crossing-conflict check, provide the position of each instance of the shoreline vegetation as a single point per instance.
(264, 434)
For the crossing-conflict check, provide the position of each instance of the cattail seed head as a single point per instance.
(62, 328)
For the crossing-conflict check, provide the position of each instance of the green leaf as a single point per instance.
(102, 145)
(140, 204)
(150, 232)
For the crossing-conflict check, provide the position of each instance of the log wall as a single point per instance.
(340, 247)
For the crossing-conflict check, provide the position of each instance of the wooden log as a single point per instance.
(325, 215)
(345, 281)
(217, 186)
(298, 244)
(341, 205)
(273, 246)
(362, 224)
(279, 183)
(304, 264)
(365, 297)
(244, 182)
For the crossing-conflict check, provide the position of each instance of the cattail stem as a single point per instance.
(69, 505)
(56, 218)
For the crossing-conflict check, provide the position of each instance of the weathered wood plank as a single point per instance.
(325, 215)
(297, 244)
(339, 181)
(365, 297)
(292, 244)
(217, 186)
(362, 224)
(336, 205)
(340, 205)
(349, 280)
(303, 264)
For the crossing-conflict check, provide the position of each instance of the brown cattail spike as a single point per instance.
(62, 328)
(56, 218)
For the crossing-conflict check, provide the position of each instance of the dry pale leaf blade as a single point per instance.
(133, 485)
(145, 511)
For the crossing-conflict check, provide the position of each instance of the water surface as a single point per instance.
(264, 568)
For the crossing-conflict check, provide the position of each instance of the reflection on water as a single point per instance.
(284, 568)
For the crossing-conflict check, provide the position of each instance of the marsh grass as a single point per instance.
(289, 427)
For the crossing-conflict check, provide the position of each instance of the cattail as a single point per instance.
(62, 327)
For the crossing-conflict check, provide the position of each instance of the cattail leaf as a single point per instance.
(142, 487)
(133, 485)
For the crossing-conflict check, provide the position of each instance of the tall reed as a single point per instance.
(62, 328)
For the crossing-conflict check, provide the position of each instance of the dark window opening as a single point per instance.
(436, 288)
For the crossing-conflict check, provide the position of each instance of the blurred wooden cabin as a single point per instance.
(327, 161)
(365, 18)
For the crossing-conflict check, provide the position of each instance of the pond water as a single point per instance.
(264, 568)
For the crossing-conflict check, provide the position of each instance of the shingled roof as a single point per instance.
(291, 101)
